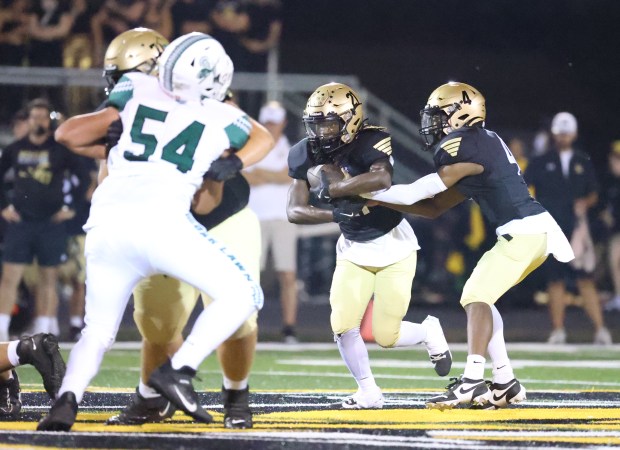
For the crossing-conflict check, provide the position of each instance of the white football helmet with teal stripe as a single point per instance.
(195, 66)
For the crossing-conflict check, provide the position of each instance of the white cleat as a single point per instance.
(364, 400)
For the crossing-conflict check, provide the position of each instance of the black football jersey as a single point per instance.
(500, 190)
(369, 146)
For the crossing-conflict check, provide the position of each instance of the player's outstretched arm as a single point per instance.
(431, 208)
(299, 211)
(427, 186)
(82, 134)
(259, 144)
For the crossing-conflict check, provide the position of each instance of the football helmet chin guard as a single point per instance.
(134, 50)
(451, 106)
(194, 67)
(332, 118)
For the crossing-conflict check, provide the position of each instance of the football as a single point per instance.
(314, 174)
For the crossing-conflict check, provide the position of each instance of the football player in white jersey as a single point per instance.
(140, 223)
(162, 305)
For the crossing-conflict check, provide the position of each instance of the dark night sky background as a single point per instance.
(529, 58)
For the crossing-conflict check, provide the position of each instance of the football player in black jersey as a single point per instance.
(162, 305)
(473, 162)
(376, 254)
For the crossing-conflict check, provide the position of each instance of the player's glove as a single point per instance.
(113, 134)
(321, 192)
(223, 169)
(346, 208)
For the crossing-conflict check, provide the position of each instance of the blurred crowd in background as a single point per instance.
(75, 33)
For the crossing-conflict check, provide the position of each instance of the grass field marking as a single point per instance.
(537, 347)
(401, 364)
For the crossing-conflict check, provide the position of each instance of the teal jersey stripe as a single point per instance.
(238, 132)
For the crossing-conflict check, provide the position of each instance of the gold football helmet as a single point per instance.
(134, 50)
(333, 116)
(451, 106)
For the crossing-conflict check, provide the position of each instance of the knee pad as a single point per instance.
(385, 338)
(157, 331)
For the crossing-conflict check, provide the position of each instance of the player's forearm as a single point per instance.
(360, 184)
(309, 215)
(408, 194)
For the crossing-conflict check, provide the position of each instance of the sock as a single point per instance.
(502, 369)
(5, 321)
(213, 326)
(235, 385)
(41, 325)
(76, 321)
(11, 352)
(147, 391)
(474, 369)
(355, 356)
(410, 334)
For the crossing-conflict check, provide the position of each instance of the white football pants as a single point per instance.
(122, 252)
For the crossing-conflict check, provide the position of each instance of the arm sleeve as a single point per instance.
(408, 194)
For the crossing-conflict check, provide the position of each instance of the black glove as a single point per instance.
(321, 192)
(346, 208)
(223, 169)
(113, 135)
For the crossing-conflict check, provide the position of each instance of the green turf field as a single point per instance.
(573, 402)
(277, 366)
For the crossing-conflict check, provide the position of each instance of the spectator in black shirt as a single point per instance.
(262, 35)
(565, 184)
(35, 214)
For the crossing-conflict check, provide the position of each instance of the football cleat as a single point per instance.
(237, 413)
(41, 350)
(503, 395)
(143, 410)
(364, 400)
(176, 386)
(461, 390)
(62, 415)
(437, 346)
(10, 398)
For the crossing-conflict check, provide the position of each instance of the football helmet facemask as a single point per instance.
(134, 50)
(194, 67)
(332, 118)
(451, 106)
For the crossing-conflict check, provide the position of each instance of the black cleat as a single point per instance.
(461, 390)
(237, 413)
(143, 410)
(176, 386)
(41, 350)
(62, 415)
(10, 398)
